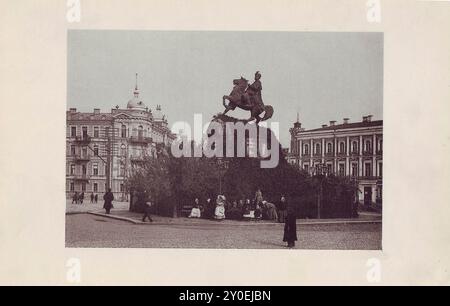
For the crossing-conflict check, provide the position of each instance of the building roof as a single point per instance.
(73, 115)
(348, 126)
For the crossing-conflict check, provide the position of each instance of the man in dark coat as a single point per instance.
(290, 227)
(145, 205)
(108, 197)
(96, 198)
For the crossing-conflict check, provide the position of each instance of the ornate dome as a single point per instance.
(135, 102)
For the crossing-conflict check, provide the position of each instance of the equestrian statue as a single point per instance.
(248, 97)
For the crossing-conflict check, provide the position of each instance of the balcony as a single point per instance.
(379, 152)
(329, 154)
(83, 139)
(81, 177)
(140, 140)
(367, 152)
(81, 158)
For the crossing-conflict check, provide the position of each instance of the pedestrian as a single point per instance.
(209, 209)
(81, 197)
(219, 213)
(282, 205)
(96, 198)
(290, 227)
(147, 210)
(92, 197)
(75, 198)
(109, 198)
(271, 211)
(257, 212)
(258, 197)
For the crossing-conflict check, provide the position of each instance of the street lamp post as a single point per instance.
(223, 165)
(320, 171)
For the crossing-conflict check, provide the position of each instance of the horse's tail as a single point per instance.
(268, 112)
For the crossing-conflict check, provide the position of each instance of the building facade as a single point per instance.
(103, 148)
(347, 149)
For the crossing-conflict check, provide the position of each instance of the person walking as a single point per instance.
(290, 227)
(142, 202)
(81, 197)
(96, 198)
(109, 198)
(92, 197)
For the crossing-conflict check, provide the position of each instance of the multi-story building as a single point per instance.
(103, 148)
(346, 149)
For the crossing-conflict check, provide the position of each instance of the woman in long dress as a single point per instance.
(219, 213)
(196, 212)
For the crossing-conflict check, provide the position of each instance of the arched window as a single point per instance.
(96, 150)
(140, 131)
(355, 147)
(329, 147)
(317, 148)
(123, 131)
(342, 147)
(306, 149)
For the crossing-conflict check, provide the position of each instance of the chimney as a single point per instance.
(364, 119)
(369, 118)
(332, 122)
(72, 110)
(96, 110)
(324, 125)
(346, 120)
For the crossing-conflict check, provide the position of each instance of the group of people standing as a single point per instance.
(78, 198)
(243, 209)
(255, 209)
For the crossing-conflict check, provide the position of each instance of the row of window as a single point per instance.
(138, 152)
(342, 147)
(84, 150)
(367, 169)
(94, 170)
(94, 187)
(140, 132)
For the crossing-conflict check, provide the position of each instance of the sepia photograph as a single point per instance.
(224, 151)
(227, 140)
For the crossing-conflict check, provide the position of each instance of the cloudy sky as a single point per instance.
(323, 76)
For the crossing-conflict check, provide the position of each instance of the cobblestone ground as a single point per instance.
(88, 231)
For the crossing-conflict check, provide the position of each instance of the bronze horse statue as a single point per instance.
(241, 98)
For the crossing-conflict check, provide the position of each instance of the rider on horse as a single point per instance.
(248, 97)
(254, 92)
